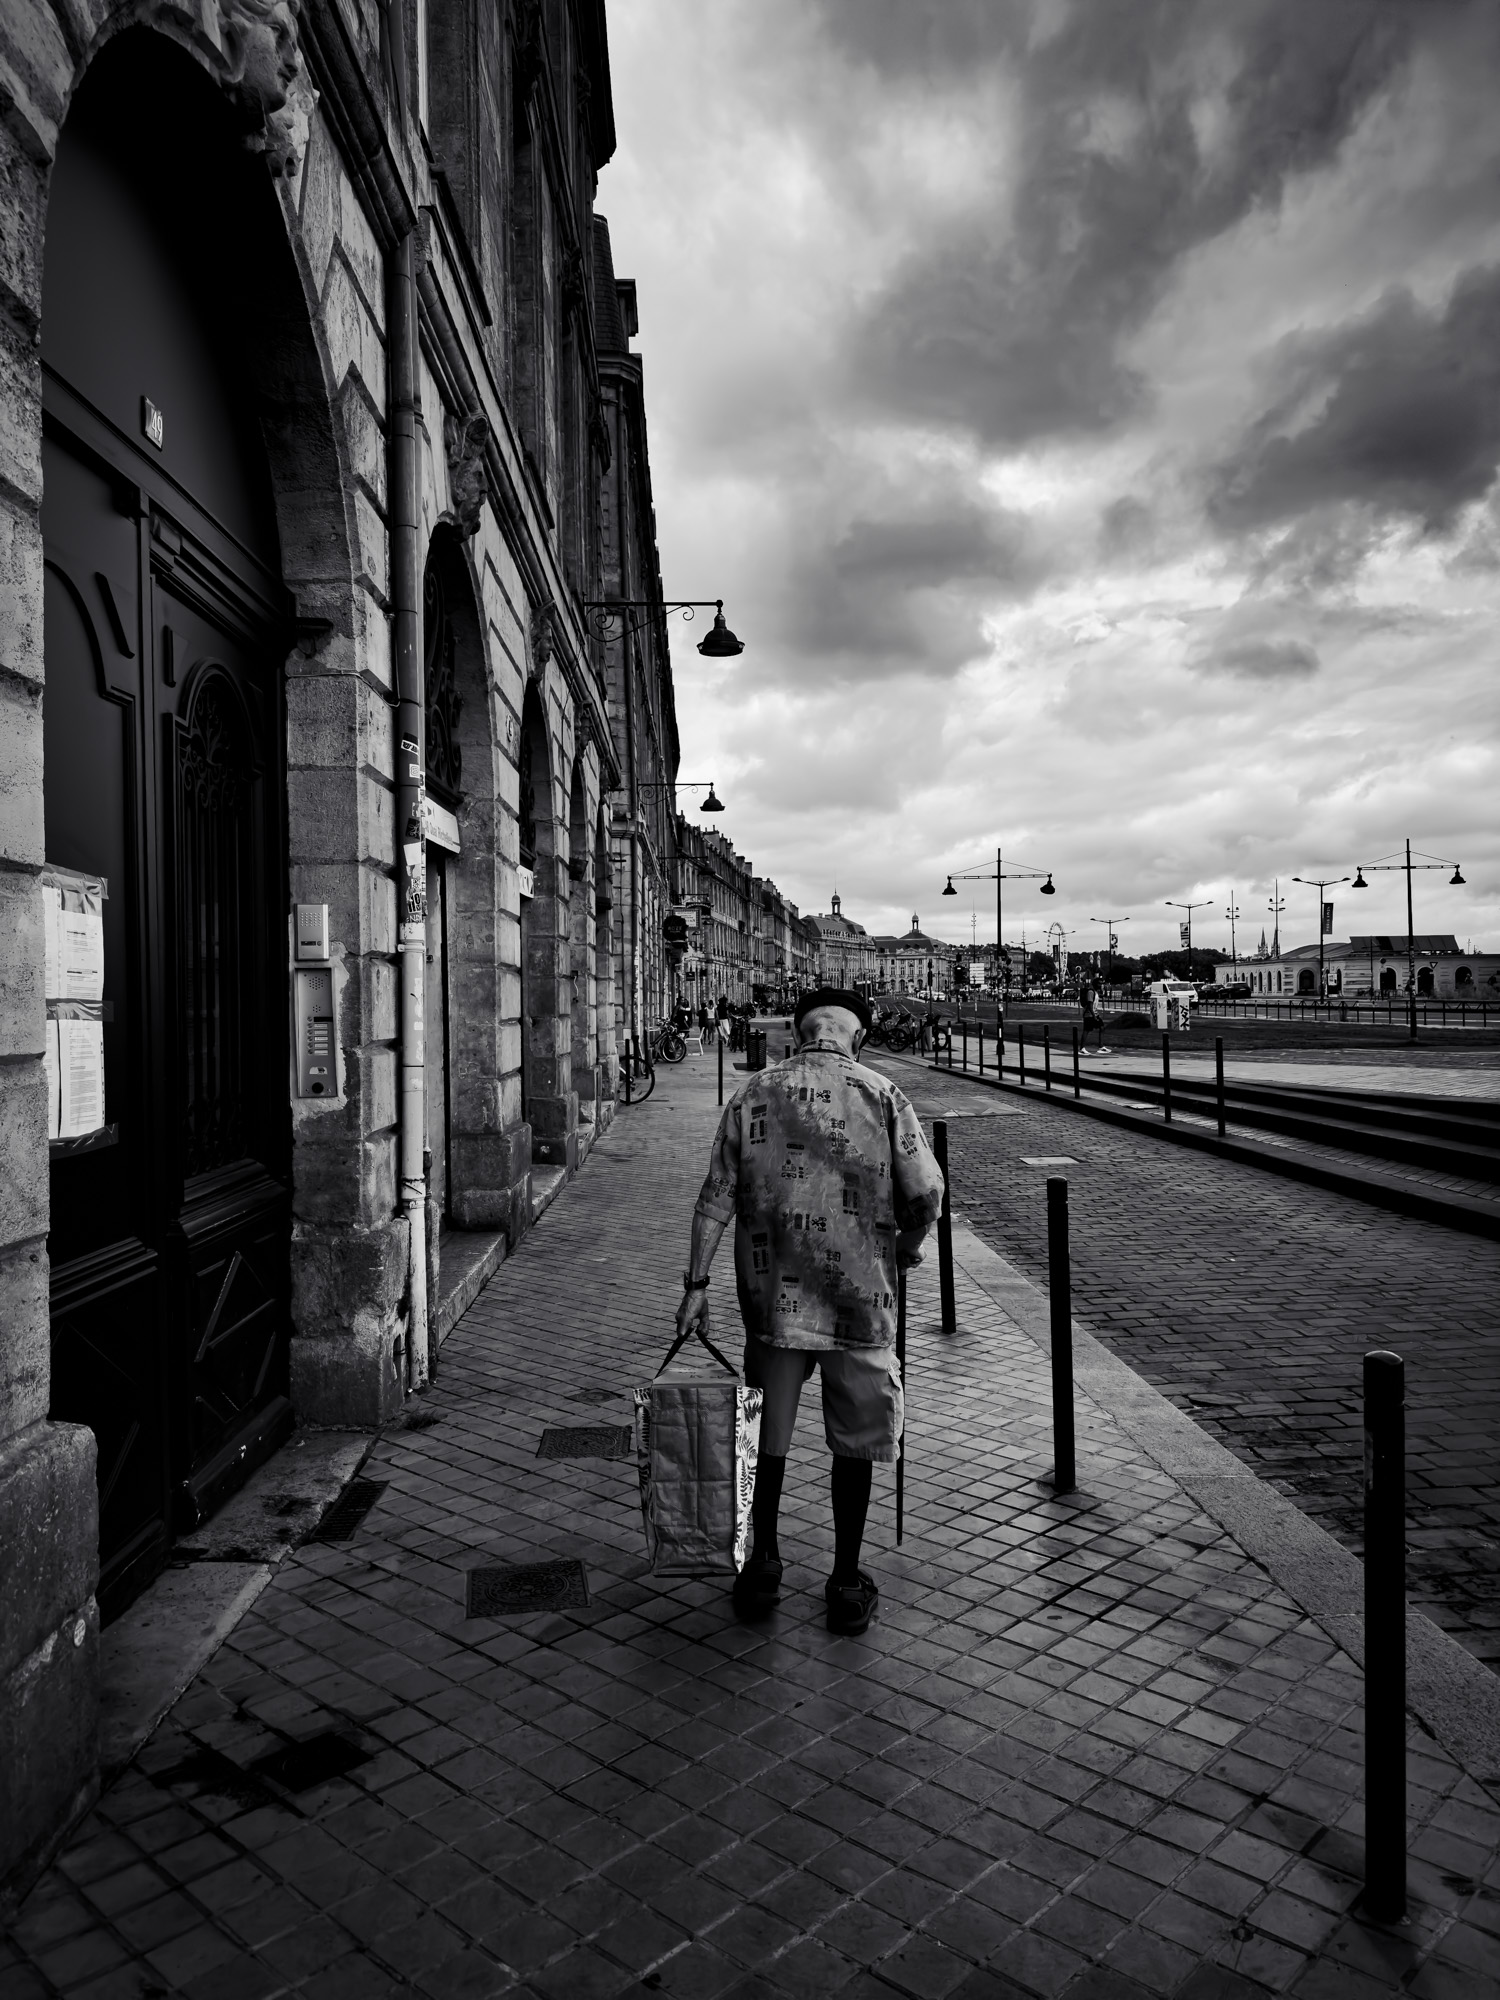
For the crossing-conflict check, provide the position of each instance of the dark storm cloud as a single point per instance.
(1399, 411)
(1145, 131)
(905, 585)
(1263, 659)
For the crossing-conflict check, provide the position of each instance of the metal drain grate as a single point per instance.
(525, 1587)
(586, 1441)
(297, 1767)
(345, 1517)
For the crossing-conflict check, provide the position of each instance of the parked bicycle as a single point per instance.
(667, 1042)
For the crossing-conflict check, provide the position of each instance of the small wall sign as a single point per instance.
(152, 426)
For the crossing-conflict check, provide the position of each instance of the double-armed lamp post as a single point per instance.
(1001, 875)
(1322, 883)
(1394, 864)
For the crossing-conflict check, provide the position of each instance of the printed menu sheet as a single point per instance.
(73, 915)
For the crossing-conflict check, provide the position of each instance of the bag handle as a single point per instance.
(673, 1350)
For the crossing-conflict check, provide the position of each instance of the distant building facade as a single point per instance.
(1374, 965)
(914, 963)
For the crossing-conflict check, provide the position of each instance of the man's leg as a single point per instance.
(851, 1503)
(778, 1373)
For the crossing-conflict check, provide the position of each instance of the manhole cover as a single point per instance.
(1049, 1160)
(593, 1395)
(346, 1516)
(550, 1586)
(586, 1441)
(297, 1767)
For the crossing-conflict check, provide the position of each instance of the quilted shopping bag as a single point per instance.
(697, 1435)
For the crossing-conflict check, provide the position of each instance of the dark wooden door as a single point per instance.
(163, 739)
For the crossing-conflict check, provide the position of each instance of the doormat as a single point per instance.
(587, 1441)
(297, 1767)
(345, 1517)
(524, 1587)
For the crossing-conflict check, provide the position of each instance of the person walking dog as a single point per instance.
(821, 1165)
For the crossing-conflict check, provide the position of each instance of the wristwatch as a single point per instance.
(692, 1284)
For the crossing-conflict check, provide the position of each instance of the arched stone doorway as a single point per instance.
(183, 398)
(1426, 980)
(1388, 979)
(1307, 981)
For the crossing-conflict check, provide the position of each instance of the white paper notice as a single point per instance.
(50, 1065)
(52, 926)
(80, 1054)
(80, 955)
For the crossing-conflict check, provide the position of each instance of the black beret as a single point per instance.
(833, 996)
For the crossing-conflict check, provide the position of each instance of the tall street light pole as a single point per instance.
(1001, 876)
(1189, 907)
(1233, 914)
(1321, 883)
(1276, 905)
(1113, 944)
(1395, 864)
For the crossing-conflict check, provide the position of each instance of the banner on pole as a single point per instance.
(1327, 919)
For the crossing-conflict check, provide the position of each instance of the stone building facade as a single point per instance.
(846, 953)
(712, 875)
(306, 745)
(914, 963)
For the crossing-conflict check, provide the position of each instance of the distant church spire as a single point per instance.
(837, 905)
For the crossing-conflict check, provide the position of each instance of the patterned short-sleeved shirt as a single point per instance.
(820, 1161)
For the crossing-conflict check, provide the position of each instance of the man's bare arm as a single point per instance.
(707, 1232)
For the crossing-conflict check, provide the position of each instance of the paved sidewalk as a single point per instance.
(1088, 1749)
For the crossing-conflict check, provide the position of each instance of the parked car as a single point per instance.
(1231, 989)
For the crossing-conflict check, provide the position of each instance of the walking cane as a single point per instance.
(901, 1370)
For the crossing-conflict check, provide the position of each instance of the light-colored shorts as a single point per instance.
(863, 1413)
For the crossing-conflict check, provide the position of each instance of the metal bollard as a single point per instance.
(1166, 1078)
(1219, 1079)
(627, 1072)
(720, 1040)
(981, 1048)
(1047, 1056)
(1077, 1092)
(1021, 1051)
(1060, 1289)
(1385, 1636)
(945, 1229)
(964, 1028)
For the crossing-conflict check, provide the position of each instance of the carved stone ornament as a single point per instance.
(464, 441)
(543, 635)
(256, 53)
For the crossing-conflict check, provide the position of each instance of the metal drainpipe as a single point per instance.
(411, 800)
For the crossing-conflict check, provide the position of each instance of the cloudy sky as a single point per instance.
(1089, 411)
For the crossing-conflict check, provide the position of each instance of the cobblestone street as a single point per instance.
(1088, 1749)
(1250, 1302)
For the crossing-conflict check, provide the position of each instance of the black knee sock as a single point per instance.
(851, 1502)
(766, 1504)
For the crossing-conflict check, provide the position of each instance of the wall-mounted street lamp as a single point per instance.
(712, 804)
(1393, 864)
(1001, 875)
(605, 613)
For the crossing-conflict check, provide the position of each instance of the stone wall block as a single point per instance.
(373, 553)
(20, 592)
(23, 1151)
(36, 71)
(21, 826)
(378, 1176)
(23, 1012)
(49, 1529)
(321, 194)
(26, 1351)
(323, 717)
(323, 812)
(378, 892)
(377, 816)
(364, 439)
(49, 1740)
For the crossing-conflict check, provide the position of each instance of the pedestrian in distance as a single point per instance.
(821, 1165)
(1088, 1000)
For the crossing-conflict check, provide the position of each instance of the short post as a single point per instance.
(1166, 1077)
(1385, 1636)
(964, 1029)
(1047, 1055)
(626, 1067)
(981, 1047)
(1060, 1288)
(945, 1230)
(1077, 1092)
(720, 1040)
(1021, 1050)
(1219, 1079)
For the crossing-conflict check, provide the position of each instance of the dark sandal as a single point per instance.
(758, 1584)
(851, 1606)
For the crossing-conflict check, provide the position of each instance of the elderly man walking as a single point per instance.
(822, 1167)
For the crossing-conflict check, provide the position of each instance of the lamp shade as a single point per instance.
(1359, 881)
(713, 803)
(1456, 880)
(1047, 888)
(721, 644)
(950, 890)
